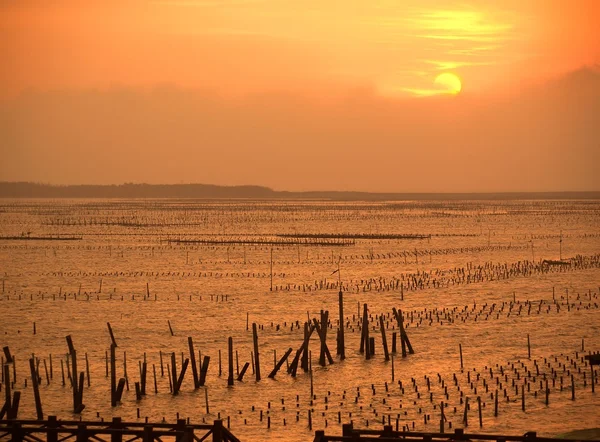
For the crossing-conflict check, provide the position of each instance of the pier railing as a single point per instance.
(54, 430)
(349, 434)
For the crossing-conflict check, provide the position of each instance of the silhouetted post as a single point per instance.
(364, 342)
(154, 374)
(304, 358)
(173, 372)
(271, 289)
(496, 404)
(342, 348)
(383, 338)
(7, 400)
(113, 376)
(193, 359)
(243, 372)
(280, 363)
(112, 336)
(76, 383)
(204, 370)
(322, 331)
(256, 356)
(36, 390)
(230, 346)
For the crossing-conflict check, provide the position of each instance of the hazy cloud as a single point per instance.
(545, 138)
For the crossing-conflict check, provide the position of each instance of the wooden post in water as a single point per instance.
(256, 355)
(230, 348)
(364, 343)
(243, 372)
(342, 343)
(112, 336)
(305, 349)
(155, 384)
(496, 404)
(204, 370)
(87, 370)
(193, 359)
(7, 395)
(280, 363)
(383, 338)
(271, 289)
(36, 390)
(76, 383)
(162, 367)
(113, 376)
(528, 347)
(322, 332)
(461, 358)
(403, 336)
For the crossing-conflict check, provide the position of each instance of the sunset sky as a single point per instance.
(303, 95)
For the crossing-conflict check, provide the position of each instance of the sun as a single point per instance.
(448, 82)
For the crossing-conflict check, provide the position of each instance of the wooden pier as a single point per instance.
(349, 434)
(54, 430)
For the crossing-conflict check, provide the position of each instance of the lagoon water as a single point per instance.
(468, 273)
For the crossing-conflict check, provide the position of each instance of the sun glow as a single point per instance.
(448, 83)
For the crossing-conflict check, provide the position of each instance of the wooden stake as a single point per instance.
(342, 342)
(230, 350)
(193, 359)
(280, 363)
(112, 336)
(36, 390)
(256, 354)
(206, 399)
(383, 338)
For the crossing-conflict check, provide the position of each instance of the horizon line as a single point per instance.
(29, 189)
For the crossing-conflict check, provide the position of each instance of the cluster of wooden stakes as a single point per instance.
(199, 365)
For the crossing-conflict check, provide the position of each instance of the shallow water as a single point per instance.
(208, 291)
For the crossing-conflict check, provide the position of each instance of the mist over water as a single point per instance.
(471, 274)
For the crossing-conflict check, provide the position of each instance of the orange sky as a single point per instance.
(77, 63)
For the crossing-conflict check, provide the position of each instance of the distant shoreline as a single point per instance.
(209, 191)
